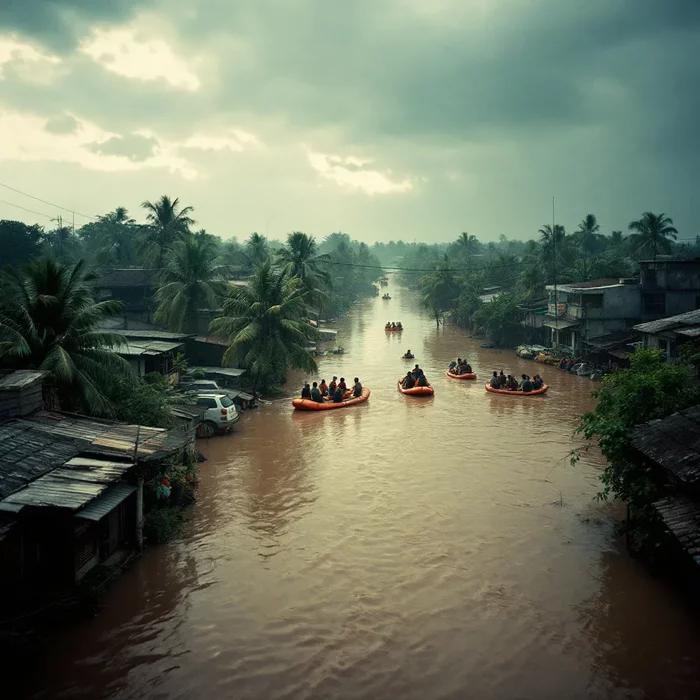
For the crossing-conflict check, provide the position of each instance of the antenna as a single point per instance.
(554, 270)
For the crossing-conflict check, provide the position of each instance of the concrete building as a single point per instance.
(669, 287)
(583, 311)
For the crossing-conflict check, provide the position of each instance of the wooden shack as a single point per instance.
(20, 393)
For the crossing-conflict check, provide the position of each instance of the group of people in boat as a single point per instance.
(510, 382)
(393, 326)
(336, 391)
(414, 377)
(460, 366)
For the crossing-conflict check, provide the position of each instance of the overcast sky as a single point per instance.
(385, 119)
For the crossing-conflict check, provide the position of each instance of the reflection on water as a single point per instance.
(400, 548)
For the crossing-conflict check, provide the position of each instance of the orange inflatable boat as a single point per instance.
(393, 330)
(535, 392)
(469, 375)
(309, 405)
(417, 390)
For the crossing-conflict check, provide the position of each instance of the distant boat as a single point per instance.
(386, 297)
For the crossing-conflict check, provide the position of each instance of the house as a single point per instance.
(670, 448)
(21, 392)
(669, 287)
(71, 495)
(668, 334)
(584, 310)
(535, 311)
(135, 287)
(146, 356)
(488, 294)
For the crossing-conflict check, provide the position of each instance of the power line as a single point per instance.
(44, 201)
(31, 211)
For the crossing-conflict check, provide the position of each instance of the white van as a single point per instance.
(221, 414)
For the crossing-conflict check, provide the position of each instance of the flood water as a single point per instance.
(402, 548)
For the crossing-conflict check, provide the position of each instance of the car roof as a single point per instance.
(210, 395)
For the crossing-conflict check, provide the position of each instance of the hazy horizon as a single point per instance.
(405, 120)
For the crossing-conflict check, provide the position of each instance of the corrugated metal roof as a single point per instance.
(20, 379)
(153, 335)
(146, 347)
(689, 332)
(73, 485)
(223, 371)
(559, 323)
(107, 502)
(690, 318)
(188, 412)
(211, 340)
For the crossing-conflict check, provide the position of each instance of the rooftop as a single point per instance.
(20, 378)
(135, 348)
(558, 323)
(686, 320)
(614, 340)
(127, 277)
(673, 443)
(601, 283)
(682, 517)
(152, 335)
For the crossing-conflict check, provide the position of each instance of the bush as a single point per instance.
(162, 524)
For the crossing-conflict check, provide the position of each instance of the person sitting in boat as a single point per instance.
(467, 368)
(388, 325)
(495, 381)
(338, 395)
(527, 385)
(357, 388)
(342, 385)
(422, 379)
(537, 382)
(453, 364)
(409, 355)
(523, 378)
(306, 391)
(332, 386)
(502, 378)
(399, 325)
(408, 380)
(316, 393)
(323, 388)
(512, 383)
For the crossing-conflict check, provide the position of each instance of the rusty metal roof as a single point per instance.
(73, 485)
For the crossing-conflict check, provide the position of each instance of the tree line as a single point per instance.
(452, 278)
(50, 319)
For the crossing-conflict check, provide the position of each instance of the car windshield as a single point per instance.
(226, 402)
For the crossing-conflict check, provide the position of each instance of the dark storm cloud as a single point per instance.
(56, 22)
(132, 146)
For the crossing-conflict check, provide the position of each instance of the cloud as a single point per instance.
(232, 140)
(352, 174)
(133, 146)
(29, 62)
(124, 53)
(62, 124)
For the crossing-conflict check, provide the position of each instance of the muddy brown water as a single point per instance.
(403, 548)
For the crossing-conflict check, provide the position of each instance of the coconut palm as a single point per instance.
(50, 321)
(256, 250)
(653, 234)
(191, 280)
(587, 234)
(300, 258)
(467, 247)
(265, 326)
(166, 224)
(439, 290)
(552, 239)
(111, 238)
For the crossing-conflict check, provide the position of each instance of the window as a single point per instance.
(593, 301)
(226, 402)
(654, 304)
(209, 403)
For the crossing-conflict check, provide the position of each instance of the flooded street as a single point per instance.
(402, 548)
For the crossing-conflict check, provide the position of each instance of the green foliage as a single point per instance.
(162, 524)
(499, 320)
(653, 234)
(49, 321)
(167, 223)
(649, 389)
(266, 326)
(19, 242)
(146, 401)
(192, 279)
(300, 258)
(439, 290)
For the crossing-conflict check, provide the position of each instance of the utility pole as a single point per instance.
(554, 271)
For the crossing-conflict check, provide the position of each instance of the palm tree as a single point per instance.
(191, 280)
(552, 240)
(467, 246)
(167, 223)
(439, 289)
(300, 258)
(266, 327)
(112, 235)
(653, 233)
(49, 321)
(256, 250)
(587, 233)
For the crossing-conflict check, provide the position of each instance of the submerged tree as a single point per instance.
(265, 324)
(653, 234)
(50, 321)
(191, 280)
